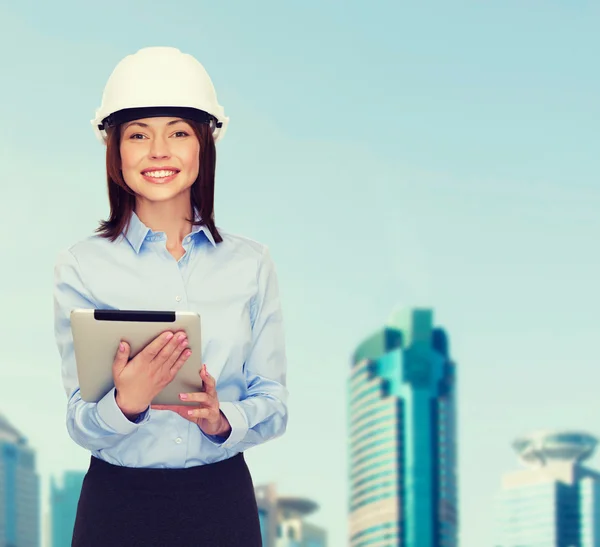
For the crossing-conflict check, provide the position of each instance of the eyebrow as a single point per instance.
(146, 125)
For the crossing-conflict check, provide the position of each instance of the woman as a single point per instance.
(159, 475)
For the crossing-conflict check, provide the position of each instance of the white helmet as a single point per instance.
(159, 81)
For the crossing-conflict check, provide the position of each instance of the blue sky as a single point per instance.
(438, 154)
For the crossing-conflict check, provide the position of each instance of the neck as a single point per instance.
(168, 216)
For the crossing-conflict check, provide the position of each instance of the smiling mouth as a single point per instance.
(160, 176)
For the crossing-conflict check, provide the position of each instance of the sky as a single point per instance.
(390, 155)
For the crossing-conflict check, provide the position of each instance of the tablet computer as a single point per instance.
(98, 333)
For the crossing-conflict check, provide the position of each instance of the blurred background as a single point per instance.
(426, 177)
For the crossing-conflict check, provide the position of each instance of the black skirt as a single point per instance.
(211, 505)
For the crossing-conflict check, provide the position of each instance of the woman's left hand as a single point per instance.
(207, 415)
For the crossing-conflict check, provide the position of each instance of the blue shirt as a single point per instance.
(234, 286)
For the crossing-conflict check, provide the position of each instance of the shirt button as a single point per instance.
(178, 298)
(178, 440)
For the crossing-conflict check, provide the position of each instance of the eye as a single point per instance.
(135, 135)
(184, 133)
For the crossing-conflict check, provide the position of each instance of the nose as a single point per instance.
(159, 148)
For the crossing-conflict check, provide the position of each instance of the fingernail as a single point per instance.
(181, 337)
(183, 395)
(121, 347)
(190, 412)
(183, 341)
(169, 335)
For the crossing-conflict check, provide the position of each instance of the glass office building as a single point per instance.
(402, 441)
(283, 520)
(19, 490)
(555, 500)
(63, 504)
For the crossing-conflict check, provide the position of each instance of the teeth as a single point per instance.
(159, 174)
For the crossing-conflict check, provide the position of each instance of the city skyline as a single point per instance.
(386, 356)
(433, 155)
(22, 523)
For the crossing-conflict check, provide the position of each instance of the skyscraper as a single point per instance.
(555, 501)
(63, 506)
(19, 490)
(402, 421)
(282, 520)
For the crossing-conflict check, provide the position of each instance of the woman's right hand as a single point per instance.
(138, 381)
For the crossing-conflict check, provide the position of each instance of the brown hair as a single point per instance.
(122, 198)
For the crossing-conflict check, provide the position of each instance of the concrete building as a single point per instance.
(555, 500)
(63, 506)
(283, 520)
(19, 490)
(402, 441)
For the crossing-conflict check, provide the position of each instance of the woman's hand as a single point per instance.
(138, 381)
(207, 415)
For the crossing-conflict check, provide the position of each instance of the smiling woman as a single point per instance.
(133, 152)
(174, 474)
(160, 138)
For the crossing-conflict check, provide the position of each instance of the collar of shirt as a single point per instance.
(137, 232)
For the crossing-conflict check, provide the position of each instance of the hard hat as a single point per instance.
(159, 81)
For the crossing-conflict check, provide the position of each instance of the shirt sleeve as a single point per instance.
(94, 426)
(263, 414)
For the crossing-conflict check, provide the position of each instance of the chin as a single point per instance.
(161, 194)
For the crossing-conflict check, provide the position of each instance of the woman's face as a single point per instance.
(160, 157)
